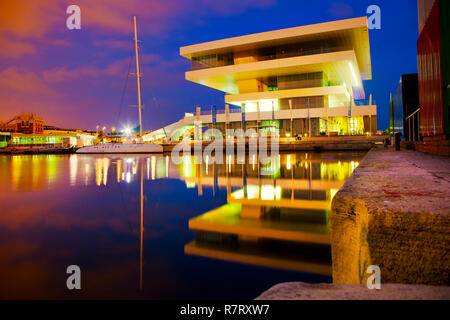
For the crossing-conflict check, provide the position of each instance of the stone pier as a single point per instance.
(393, 212)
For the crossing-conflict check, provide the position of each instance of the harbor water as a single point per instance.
(144, 227)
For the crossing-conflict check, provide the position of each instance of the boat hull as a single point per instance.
(122, 148)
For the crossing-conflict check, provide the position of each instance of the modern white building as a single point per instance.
(305, 81)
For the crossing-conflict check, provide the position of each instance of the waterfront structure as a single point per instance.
(305, 81)
(5, 138)
(28, 129)
(27, 123)
(63, 138)
(433, 50)
(405, 108)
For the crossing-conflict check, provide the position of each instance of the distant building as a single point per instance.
(306, 80)
(29, 129)
(61, 138)
(433, 48)
(405, 108)
(5, 138)
(27, 123)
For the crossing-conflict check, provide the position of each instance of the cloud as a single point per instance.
(14, 48)
(75, 78)
(231, 7)
(23, 18)
(114, 44)
(22, 81)
(63, 74)
(341, 10)
(117, 69)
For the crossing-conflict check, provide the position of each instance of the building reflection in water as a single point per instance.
(277, 215)
(35, 172)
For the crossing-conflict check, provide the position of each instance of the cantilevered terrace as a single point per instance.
(303, 80)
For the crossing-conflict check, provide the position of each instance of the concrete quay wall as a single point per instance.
(393, 212)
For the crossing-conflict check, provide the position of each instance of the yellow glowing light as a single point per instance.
(207, 164)
(105, 170)
(119, 170)
(239, 194)
(355, 78)
(190, 185)
(333, 193)
(167, 166)
(153, 167)
(188, 168)
(268, 192)
(73, 166)
(288, 165)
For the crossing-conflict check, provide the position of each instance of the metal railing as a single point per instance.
(411, 120)
(364, 102)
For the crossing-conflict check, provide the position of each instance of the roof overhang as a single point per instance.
(351, 31)
(337, 65)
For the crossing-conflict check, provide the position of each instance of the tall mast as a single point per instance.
(138, 76)
(141, 247)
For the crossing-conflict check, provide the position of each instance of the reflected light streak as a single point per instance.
(119, 170)
(167, 166)
(153, 168)
(73, 167)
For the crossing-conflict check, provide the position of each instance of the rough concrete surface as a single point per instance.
(393, 212)
(326, 291)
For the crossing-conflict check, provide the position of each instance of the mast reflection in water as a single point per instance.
(143, 227)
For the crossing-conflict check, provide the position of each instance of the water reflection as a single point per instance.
(277, 215)
(126, 219)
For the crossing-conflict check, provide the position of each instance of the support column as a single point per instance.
(258, 118)
(290, 108)
(227, 117)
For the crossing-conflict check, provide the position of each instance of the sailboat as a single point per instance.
(128, 147)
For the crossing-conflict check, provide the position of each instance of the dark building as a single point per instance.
(433, 48)
(405, 107)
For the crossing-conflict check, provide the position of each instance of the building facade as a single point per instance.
(28, 129)
(63, 138)
(299, 81)
(5, 138)
(433, 48)
(405, 108)
(27, 123)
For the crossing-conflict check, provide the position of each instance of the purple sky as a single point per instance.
(75, 78)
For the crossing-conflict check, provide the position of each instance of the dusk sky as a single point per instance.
(75, 78)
